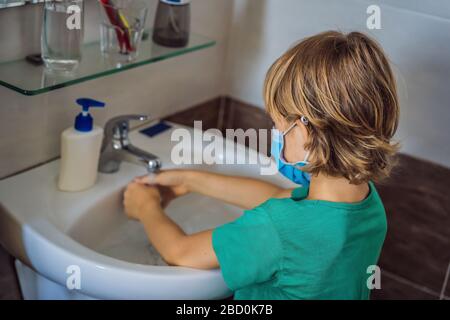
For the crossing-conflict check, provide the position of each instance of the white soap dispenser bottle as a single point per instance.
(80, 150)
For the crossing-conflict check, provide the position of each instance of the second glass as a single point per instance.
(122, 28)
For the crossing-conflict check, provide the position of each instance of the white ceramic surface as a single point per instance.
(49, 230)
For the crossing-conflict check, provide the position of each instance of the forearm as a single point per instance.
(163, 233)
(175, 247)
(243, 192)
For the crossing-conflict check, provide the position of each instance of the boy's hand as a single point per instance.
(140, 200)
(170, 183)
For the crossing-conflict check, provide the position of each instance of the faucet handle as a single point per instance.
(119, 120)
(117, 127)
(122, 122)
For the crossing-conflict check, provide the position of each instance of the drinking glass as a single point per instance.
(62, 34)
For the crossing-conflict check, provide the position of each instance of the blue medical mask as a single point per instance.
(291, 171)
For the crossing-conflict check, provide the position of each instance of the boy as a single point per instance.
(333, 99)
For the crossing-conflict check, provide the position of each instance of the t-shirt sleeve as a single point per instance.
(248, 249)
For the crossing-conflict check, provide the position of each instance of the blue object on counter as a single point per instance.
(156, 129)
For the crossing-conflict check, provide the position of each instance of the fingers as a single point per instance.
(128, 190)
(145, 179)
(152, 178)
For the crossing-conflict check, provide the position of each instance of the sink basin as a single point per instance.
(50, 232)
(106, 229)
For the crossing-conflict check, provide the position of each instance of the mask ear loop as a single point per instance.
(305, 122)
(285, 132)
(289, 129)
(306, 157)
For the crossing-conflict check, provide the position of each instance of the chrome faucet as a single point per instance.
(116, 147)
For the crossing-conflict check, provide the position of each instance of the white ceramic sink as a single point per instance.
(105, 228)
(49, 232)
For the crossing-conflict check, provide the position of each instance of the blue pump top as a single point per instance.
(84, 121)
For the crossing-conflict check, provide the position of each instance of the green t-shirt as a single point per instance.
(295, 248)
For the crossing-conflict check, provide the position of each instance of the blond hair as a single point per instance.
(344, 85)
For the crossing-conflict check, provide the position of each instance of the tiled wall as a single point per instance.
(9, 284)
(416, 256)
(414, 33)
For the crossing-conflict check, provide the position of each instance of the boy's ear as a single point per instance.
(303, 129)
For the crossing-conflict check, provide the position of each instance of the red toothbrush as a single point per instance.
(122, 33)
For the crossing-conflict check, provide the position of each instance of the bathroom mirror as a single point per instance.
(16, 3)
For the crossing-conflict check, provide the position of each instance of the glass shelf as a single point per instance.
(29, 79)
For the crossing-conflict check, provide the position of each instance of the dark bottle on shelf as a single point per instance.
(172, 23)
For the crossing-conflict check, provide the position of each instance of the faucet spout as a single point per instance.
(117, 147)
(150, 161)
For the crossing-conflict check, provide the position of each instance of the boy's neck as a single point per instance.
(336, 189)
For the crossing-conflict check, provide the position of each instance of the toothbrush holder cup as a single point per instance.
(121, 29)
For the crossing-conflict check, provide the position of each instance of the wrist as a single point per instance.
(149, 210)
(189, 180)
